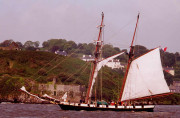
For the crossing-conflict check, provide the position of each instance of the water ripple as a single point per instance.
(54, 111)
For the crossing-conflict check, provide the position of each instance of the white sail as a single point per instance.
(98, 67)
(64, 97)
(145, 77)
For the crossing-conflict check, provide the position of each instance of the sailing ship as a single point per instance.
(143, 79)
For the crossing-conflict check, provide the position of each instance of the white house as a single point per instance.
(87, 58)
(115, 63)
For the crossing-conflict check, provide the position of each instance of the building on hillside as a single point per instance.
(12, 46)
(87, 58)
(169, 70)
(115, 63)
(63, 53)
(75, 92)
(175, 87)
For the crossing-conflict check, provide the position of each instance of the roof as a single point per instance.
(114, 60)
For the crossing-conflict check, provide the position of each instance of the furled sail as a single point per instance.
(98, 67)
(24, 89)
(49, 97)
(145, 77)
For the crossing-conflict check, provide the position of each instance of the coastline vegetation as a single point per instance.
(30, 67)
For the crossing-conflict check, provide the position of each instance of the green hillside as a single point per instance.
(29, 68)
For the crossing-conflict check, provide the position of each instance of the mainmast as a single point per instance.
(97, 56)
(131, 55)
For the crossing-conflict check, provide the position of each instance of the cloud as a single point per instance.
(76, 20)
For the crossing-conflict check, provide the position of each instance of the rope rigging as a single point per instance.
(84, 66)
(61, 61)
(120, 30)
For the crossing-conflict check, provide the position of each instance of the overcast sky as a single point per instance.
(41, 20)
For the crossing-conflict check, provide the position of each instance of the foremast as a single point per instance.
(96, 59)
(131, 55)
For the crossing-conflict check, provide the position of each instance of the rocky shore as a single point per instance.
(23, 98)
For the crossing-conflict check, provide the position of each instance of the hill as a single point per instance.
(30, 68)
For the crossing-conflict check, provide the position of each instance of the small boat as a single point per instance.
(143, 79)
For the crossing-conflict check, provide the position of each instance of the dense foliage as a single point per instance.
(29, 68)
(77, 50)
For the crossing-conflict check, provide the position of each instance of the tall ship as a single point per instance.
(143, 79)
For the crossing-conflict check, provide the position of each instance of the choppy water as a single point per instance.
(54, 111)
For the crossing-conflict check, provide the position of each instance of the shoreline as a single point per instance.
(49, 102)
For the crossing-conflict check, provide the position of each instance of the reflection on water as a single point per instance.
(54, 111)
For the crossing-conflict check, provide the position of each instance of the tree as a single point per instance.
(117, 49)
(124, 57)
(20, 45)
(54, 42)
(54, 48)
(84, 47)
(36, 44)
(108, 51)
(177, 56)
(168, 78)
(90, 49)
(80, 46)
(70, 46)
(10, 85)
(45, 44)
(6, 43)
(140, 50)
(28, 44)
(124, 50)
(168, 59)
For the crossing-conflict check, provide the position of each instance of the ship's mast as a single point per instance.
(97, 56)
(131, 55)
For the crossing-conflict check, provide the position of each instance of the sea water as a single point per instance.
(54, 111)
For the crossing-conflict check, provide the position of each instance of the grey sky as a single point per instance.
(41, 20)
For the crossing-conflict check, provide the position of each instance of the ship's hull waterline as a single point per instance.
(92, 107)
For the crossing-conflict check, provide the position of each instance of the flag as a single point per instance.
(164, 49)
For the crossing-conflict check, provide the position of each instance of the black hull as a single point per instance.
(78, 108)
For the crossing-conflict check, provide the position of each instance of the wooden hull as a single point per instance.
(148, 108)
